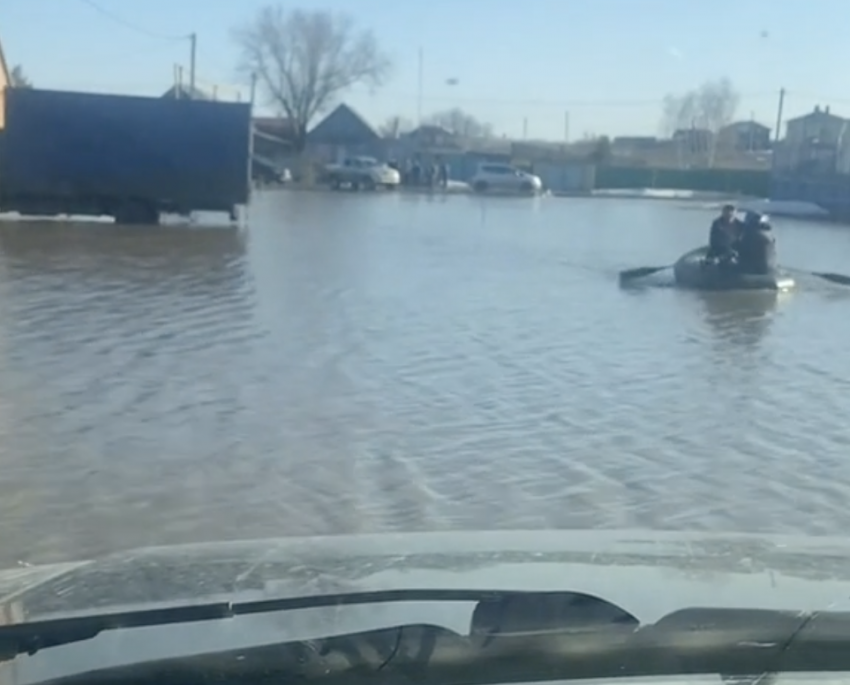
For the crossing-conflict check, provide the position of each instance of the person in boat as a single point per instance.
(756, 245)
(723, 237)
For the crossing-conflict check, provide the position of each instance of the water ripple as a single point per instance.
(364, 363)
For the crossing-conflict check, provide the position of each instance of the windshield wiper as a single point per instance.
(496, 611)
(514, 637)
(688, 642)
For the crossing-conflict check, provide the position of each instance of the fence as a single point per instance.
(731, 181)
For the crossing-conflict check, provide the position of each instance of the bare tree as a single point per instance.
(710, 107)
(679, 111)
(461, 123)
(304, 60)
(706, 109)
(395, 126)
(18, 79)
(718, 102)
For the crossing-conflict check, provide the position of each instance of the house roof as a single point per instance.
(823, 114)
(343, 125)
(745, 125)
(426, 129)
(280, 128)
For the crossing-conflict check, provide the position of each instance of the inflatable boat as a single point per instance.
(692, 271)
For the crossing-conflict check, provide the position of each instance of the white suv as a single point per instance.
(504, 177)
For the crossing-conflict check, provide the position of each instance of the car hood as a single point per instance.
(709, 570)
(647, 574)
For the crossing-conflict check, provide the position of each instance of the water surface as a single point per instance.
(371, 362)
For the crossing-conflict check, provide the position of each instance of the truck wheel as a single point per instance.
(335, 184)
(480, 187)
(369, 184)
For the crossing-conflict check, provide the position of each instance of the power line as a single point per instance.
(147, 49)
(816, 98)
(130, 25)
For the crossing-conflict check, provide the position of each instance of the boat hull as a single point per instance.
(691, 272)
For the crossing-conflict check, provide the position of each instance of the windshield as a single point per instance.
(299, 300)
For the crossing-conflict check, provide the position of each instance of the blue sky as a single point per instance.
(608, 63)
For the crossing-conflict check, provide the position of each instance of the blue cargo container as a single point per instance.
(127, 157)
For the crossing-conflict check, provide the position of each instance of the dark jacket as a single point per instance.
(757, 250)
(723, 237)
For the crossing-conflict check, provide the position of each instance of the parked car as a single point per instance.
(362, 172)
(505, 178)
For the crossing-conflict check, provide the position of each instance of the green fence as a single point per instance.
(732, 181)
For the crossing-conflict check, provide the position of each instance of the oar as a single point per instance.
(840, 279)
(831, 277)
(641, 271)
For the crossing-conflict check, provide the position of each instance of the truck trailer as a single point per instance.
(132, 158)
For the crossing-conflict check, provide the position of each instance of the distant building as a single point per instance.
(274, 140)
(634, 143)
(532, 151)
(281, 126)
(744, 136)
(637, 149)
(693, 139)
(5, 82)
(5, 73)
(431, 136)
(343, 133)
(820, 126)
(812, 162)
(815, 143)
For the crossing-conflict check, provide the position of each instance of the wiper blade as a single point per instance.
(689, 642)
(496, 611)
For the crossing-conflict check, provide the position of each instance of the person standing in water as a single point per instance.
(444, 174)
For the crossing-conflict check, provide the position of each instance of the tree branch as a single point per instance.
(305, 60)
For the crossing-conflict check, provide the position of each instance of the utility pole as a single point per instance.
(779, 115)
(253, 88)
(193, 42)
(566, 127)
(525, 128)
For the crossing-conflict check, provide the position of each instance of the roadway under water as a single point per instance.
(371, 362)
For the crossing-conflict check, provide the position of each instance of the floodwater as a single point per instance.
(373, 362)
